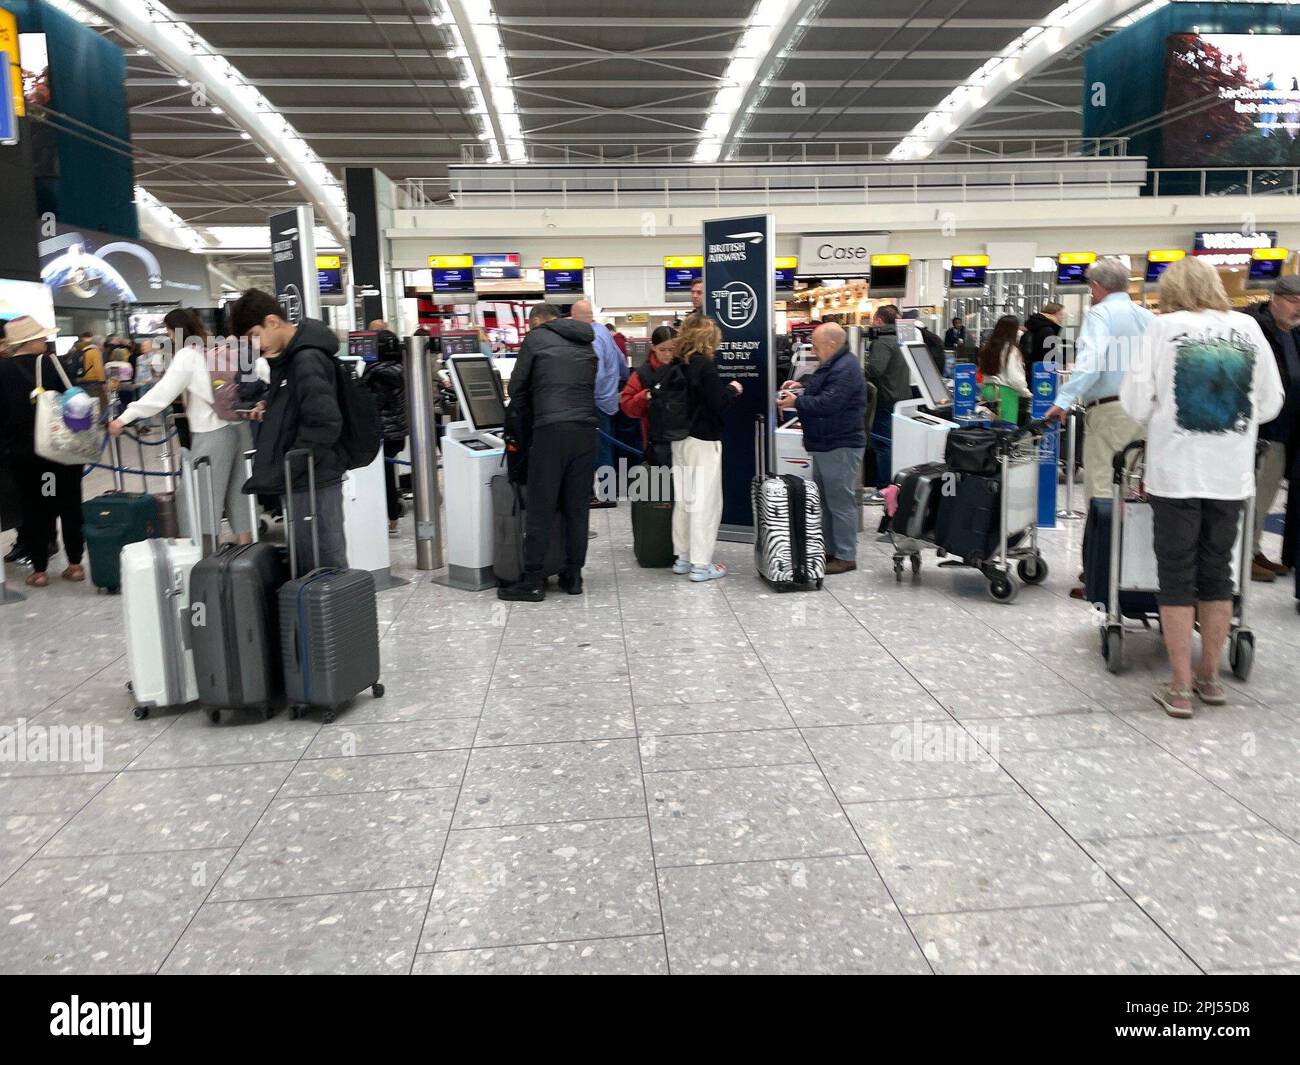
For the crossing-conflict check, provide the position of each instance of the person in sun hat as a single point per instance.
(49, 492)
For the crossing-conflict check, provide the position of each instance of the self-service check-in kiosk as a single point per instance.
(473, 452)
(921, 426)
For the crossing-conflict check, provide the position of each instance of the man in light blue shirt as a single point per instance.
(609, 361)
(1109, 341)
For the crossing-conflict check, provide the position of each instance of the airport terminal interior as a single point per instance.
(876, 681)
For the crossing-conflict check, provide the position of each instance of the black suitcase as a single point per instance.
(919, 490)
(233, 623)
(509, 505)
(1096, 565)
(329, 623)
(967, 524)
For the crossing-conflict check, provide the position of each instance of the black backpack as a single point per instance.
(670, 404)
(362, 435)
(74, 362)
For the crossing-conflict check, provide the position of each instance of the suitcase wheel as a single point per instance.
(916, 565)
(140, 712)
(268, 712)
(130, 686)
(328, 715)
(377, 691)
(214, 716)
(296, 712)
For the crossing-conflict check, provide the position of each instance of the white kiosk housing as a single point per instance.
(473, 452)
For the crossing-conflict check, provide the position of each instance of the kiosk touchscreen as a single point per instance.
(921, 426)
(473, 453)
(926, 375)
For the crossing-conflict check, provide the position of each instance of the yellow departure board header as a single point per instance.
(451, 262)
(1074, 258)
(970, 260)
(890, 260)
(570, 263)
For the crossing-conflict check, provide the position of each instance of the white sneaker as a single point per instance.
(712, 573)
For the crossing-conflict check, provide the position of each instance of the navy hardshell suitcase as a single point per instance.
(233, 624)
(329, 624)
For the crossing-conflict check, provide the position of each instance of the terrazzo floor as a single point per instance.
(662, 777)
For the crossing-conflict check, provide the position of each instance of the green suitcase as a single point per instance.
(110, 522)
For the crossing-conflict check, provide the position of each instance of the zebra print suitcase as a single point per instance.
(789, 550)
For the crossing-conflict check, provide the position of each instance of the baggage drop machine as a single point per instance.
(473, 452)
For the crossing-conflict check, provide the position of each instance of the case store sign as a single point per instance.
(1231, 247)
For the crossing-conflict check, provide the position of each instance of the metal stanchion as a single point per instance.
(1068, 513)
(429, 554)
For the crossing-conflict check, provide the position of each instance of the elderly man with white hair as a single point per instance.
(833, 411)
(1109, 339)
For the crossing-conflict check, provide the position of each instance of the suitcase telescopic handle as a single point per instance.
(204, 489)
(760, 439)
(254, 516)
(290, 519)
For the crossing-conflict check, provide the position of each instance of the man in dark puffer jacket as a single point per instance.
(301, 412)
(554, 383)
(385, 379)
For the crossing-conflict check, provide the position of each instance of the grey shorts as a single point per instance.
(1194, 541)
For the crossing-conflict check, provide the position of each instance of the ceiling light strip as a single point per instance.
(773, 28)
(1067, 25)
(175, 45)
(474, 34)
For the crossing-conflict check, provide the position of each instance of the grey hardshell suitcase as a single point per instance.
(329, 623)
(509, 507)
(233, 623)
(920, 489)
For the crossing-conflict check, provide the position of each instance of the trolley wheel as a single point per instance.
(898, 568)
(1032, 570)
(916, 565)
(214, 716)
(377, 691)
(1112, 647)
(1241, 653)
(1002, 588)
(140, 712)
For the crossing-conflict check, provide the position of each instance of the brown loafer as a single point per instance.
(1262, 573)
(74, 573)
(840, 565)
(1264, 561)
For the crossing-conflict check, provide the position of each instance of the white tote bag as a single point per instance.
(55, 442)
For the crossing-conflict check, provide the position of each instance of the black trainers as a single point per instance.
(571, 583)
(522, 591)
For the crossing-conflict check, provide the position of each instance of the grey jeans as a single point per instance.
(329, 528)
(836, 474)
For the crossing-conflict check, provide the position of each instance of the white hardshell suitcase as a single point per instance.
(155, 599)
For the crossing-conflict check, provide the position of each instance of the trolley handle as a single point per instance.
(1120, 462)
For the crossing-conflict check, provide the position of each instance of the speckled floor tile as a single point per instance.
(627, 956)
(1045, 696)
(115, 914)
(816, 915)
(699, 679)
(551, 782)
(547, 715)
(687, 718)
(364, 932)
(1103, 792)
(1089, 938)
(308, 845)
(377, 772)
(723, 750)
(194, 740)
(418, 695)
(344, 739)
(543, 883)
(913, 760)
(1230, 899)
(939, 855)
(65, 794)
(22, 835)
(856, 697)
(746, 814)
(171, 809)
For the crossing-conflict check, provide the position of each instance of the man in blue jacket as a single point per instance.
(833, 411)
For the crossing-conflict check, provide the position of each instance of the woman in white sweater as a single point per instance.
(1202, 384)
(223, 442)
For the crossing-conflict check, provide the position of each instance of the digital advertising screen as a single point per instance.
(563, 282)
(454, 282)
(1232, 99)
(364, 345)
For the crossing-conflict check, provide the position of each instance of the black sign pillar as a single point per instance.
(739, 276)
(293, 263)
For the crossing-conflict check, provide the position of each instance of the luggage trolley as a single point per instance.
(1131, 580)
(1018, 454)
